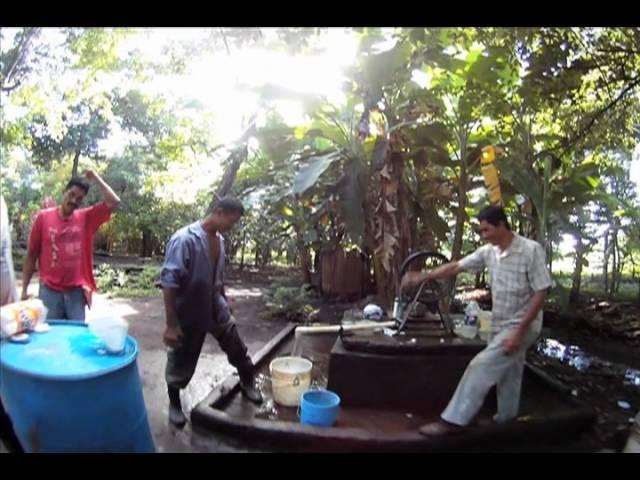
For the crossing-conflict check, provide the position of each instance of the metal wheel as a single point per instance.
(433, 294)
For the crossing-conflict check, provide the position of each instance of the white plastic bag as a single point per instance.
(111, 330)
(19, 317)
(372, 312)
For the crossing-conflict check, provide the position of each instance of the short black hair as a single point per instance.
(494, 215)
(229, 205)
(79, 182)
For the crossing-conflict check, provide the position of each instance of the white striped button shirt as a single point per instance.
(515, 274)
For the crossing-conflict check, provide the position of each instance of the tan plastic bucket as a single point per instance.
(290, 377)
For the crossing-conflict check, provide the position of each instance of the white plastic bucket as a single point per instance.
(111, 330)
(290, 378)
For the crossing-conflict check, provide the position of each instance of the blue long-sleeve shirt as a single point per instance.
(200, 300)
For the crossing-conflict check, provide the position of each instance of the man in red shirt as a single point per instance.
(61, 241)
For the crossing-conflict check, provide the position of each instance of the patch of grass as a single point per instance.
(291, 303)
(135, 284)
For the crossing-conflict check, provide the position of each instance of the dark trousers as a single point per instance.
(182, 361)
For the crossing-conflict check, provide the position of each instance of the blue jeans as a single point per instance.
(67, 305)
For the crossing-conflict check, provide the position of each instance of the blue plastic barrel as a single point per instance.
(65, 393)
(319, 407)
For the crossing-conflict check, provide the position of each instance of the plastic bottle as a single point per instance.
(484, 324)
(397, 309)
(471, 319)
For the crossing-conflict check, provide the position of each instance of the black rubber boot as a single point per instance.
(249, 390)
(176, 416)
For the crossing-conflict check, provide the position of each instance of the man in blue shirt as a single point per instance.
(195, 304)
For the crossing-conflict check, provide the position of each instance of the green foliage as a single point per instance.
(85, 125)
(291, 303)
(309, 174)
(592, 290)
(562, 102)
(116, 281)
(96, 48)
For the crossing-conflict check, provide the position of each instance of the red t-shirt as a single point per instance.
(64, 246)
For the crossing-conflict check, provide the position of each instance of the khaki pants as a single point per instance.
(492, 366)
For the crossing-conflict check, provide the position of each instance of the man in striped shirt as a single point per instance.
(519, 280)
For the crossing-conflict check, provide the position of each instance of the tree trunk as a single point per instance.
(303, 255)
(549, 251)
(521, 220)
(605, 266)
(147, 244)
(235, 160)
(619, 263)
(76, 160)
(577, 273)
(391, 230)
(11, 69)
(456, 250)
(614, 261)
(619, 274)
(238, 155)
(256, 260)
(244, 243)
(405, 216)
(461, 216)
(544, 236)
(265, 260)
(478, 282)
(635, 276)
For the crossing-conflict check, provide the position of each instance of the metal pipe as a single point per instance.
(344, 328)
